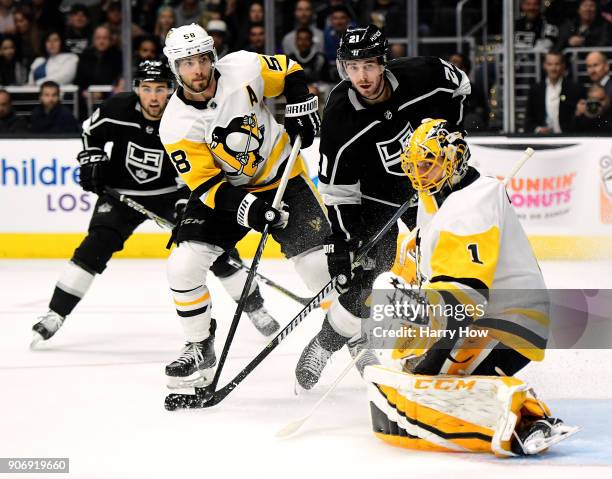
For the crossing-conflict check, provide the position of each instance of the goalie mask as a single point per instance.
(360, 44)
(435, 156)
(187, 41)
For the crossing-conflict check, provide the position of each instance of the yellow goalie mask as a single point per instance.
(435, 156)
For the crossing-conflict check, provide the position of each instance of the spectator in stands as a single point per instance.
(99, 64)
(304, 18)
(57, 64)
(7, 22)
(217, 29)
(594, 115)
(312, 61)
(78, 29)
(256, 39)
(388, 15)
(12, 69)
(532, 30)
(28, 35)
(397, 50)
(47, 15)
(113, 23)
(551, 104)
(188, 11)
(587, 30)
(9, 121)
(50, 116)
(165, 21)
(255, 16)
(339, 21)
(144, 13)
(475, 107)
(598, 70)
(323, 10)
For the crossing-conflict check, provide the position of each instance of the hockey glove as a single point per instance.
(95, 170)
(179, 209)
(302, 118)
(340, 255)
(256, 213)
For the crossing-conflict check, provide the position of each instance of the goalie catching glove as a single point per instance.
(95, 170)
(302, 118)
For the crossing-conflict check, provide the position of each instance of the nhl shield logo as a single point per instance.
(144, 164)
(391, 150)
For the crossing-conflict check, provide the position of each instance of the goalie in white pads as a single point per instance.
(469, 250)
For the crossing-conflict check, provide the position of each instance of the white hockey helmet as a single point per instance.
(186, 41)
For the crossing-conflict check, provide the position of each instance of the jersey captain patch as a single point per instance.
(390, 150)
(144, 164)
(238, 145)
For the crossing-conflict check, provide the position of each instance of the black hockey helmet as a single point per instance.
(359, 43)
(153, 71)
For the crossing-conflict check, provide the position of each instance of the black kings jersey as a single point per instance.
(361, 144)
(139, 163)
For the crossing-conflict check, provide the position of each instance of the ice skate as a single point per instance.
(540, 435)
(368, 358)
(311, 364)
(194, 367)
(259, 315)
(46, 327)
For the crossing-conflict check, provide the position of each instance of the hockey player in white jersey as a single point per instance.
(231, 152)
(470, 254)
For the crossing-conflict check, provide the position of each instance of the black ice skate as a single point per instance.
(311, 364)
(540, 435)
(259, 316)
(194, 367)
(367, 358)
(48, 325)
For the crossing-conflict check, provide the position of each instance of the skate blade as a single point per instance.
(36, 339)
(299, 390)
(551, 441)
(199, 379)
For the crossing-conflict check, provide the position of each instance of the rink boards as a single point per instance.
(563, 196)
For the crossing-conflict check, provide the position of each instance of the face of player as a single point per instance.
(429, 172)
(196, 73)
(597, 67)
(153, 99)
(366, 76)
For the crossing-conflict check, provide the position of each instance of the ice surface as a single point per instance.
(95, 392)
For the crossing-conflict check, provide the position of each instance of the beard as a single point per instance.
(200, 89)
(152, 112)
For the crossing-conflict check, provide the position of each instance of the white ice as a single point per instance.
(94, 393)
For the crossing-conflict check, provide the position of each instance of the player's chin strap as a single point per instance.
(205, 397)
(164, 223)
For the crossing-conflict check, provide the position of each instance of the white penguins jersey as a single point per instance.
(232, 137)
(474, 250)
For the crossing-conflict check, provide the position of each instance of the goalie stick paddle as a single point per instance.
(164, 223)
(205, 397)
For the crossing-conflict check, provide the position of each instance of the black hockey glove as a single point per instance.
(302, 118)
(179, 209)
(340, 255)
(256, 213)
(95, 170)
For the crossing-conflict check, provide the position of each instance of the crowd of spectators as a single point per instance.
(79, 42)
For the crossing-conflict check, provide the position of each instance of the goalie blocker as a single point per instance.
(460, 413)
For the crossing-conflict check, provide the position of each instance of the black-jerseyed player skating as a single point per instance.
(138, 166)
(367, 119)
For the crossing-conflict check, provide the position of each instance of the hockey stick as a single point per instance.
(293, 426)
(164, 223)
(206, 398)
(518, 165)
(276, 203)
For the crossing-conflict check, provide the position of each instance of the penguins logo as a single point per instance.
(238, 144)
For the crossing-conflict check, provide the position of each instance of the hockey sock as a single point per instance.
(193, 307)
(70, 289)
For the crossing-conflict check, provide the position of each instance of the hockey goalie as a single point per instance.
(474, 312)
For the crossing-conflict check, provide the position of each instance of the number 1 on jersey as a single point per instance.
(473, 247)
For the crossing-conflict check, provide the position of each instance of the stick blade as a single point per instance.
(290, 428)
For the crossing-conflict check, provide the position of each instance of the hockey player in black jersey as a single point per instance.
(139, 167)
(367, 119)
